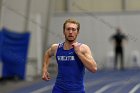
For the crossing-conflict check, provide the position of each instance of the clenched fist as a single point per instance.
(77, 47)
(46, 76)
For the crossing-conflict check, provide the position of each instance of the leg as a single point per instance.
(116, 60)
(122, 60)
(81, 91)
(57, 90)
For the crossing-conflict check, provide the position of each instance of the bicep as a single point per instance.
(52, 50)
(49, 52)
(87, 52)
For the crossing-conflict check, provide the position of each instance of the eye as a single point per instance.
(70, 28)
(74, 29)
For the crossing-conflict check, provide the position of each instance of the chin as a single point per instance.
(71, 40)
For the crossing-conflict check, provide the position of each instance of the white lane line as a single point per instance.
(135, 88)
(49, 87)
(107, 86)
(93, 82)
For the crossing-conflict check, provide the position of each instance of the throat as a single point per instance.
(67, 46)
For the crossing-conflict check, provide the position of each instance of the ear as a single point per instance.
(78, 32)
(64, 32)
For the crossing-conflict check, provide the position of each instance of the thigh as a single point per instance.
(57, 90)
(81, 91)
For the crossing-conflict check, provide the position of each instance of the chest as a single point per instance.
(65, 55)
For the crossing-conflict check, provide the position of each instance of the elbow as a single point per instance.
(93, 69)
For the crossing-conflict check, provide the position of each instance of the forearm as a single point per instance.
(88, 62)
(49, 53)
(46, 64)
(45, 74)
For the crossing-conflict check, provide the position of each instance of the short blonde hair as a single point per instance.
(71, 21)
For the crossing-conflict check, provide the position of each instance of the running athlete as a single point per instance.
(72, 59)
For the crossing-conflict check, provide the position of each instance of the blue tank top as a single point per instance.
(70, 69)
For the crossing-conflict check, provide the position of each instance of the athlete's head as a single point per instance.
(71, 29)
(118, 30)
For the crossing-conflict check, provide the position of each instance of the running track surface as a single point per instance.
(103, 81)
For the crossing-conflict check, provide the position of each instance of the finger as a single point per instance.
(48, 77)
(72, 45)
(76, 45)
(44, 78)
(79, 44)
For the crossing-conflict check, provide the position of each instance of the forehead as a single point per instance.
(73, 25)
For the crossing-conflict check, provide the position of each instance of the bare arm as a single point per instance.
(84, 53)
(48, 54)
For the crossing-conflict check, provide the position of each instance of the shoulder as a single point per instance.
(85, 47)
(54, 47)
(52, 50)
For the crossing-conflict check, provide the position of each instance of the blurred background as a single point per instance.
(29, 27)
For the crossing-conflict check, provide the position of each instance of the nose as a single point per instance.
(70, 31)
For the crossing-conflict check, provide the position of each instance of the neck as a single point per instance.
(68, 45)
